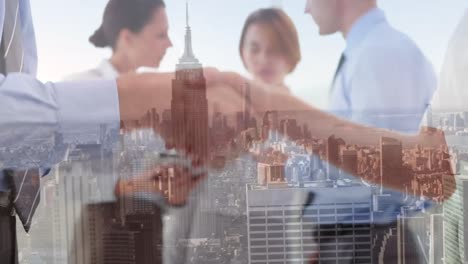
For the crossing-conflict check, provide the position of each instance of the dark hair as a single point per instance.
(123, 14)
(283, 29)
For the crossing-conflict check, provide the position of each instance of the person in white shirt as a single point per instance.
(382, 80)
(137, 33)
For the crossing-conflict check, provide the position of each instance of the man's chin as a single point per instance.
(326, 32)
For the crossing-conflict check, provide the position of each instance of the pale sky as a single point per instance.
(63, 28)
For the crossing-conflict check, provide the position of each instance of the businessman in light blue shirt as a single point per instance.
(55, 105)
(382, 79)
(31, 112)
(385, 80)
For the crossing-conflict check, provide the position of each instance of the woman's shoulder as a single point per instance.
(91, 74)
(105, 70)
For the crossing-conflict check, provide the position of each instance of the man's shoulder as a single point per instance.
(387, 40)
(386, 48)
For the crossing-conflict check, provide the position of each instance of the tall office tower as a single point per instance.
(247, 105)
(391, 160)
(411, 236)
(102, 133)
(39, 239)
(74, 191)
(189, 108)
(458, 122)
(218, 133)
(280, 230)
(59, 239)
(455, 218)
(270, 126)
(139, 164)
(189, 105)
(166, 124)
(155, 122)
(306, 132)
(78, 180)
(465, 118)
(240, 123)
(135, 240)
(436, 251)
(271, 175)
(349, 161)
(290, 130)
(316, 163)
(333, 157)
(429, 117)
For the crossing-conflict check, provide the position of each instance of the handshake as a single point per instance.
(193, 98)
(186, 96)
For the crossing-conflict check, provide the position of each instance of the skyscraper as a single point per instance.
(189, 109)
(436, 251)
(247, 103)
(270, 127)
(166, 125)
(290, 129)
(412, 239)
(455, 215)
(429, 116)
(391, 161)
(134, 239)
(281, 230)
(189, 105)
(271, 174)
(349, 161)
(333, 157)
(75, 189)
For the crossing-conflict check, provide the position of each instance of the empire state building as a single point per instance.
(189, 105)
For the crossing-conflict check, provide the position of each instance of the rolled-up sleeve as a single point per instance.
(32, 113)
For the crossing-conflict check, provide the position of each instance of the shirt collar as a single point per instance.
(363, 26)
(108, 70)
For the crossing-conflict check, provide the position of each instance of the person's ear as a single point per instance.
(126, 38)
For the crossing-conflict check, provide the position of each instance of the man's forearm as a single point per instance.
(139, 93)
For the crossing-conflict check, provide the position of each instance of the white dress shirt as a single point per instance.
(32, 111)
(105, 70)
(386, 81)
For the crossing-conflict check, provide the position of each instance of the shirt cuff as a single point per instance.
(87, 103)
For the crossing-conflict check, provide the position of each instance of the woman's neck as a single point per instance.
(122, 64)
(280, 87)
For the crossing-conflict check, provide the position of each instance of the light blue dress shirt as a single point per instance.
(31, 112)
(385, 82)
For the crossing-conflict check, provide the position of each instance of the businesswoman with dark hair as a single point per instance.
(137, 33)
